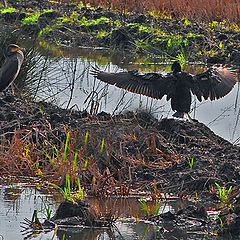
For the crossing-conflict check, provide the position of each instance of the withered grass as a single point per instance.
(192, 9)
(110, 168)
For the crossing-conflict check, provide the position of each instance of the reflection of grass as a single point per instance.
(151, 210)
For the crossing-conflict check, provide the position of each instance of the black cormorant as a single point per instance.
(215, 83)
(11, 65)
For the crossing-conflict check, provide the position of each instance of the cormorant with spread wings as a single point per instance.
(215, 83)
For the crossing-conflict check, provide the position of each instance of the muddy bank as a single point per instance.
(75, 25)
(139, 153)
(137, 148)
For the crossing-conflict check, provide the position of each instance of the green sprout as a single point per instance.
(213, 24)
(145, 206)
(223, 193)
(41, 110)
(66, 191)
(186, 22)
(80, 194)
(55, 152)
(102, 145)
(221, 223)
(66, 147)
(86, 137)
(67, 188)
(27, 150)
(38, 170)
(190, 162)
(180, 57)
(85, 164)
(81, 5)
(169, 43)
(75, 160)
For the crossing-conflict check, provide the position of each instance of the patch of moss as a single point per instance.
(88, 6)
(44, 31)
(32, 18)
(8, 10)
(102, 34)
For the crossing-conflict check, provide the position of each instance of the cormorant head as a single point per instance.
(13, 48)
(176, 67)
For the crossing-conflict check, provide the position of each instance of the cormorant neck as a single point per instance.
(175, 72)
(176, 67)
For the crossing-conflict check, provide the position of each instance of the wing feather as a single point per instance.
(154, 85)
(215, 83)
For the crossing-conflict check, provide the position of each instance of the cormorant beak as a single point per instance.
(16, 49)
(21, 49)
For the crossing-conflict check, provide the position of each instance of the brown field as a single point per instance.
(193, 9)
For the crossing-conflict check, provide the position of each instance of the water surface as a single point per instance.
(18, 202)
(66, 81)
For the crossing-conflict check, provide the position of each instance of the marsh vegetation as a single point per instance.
(64, 131)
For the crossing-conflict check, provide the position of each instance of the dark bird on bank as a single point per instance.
(215, 83)
(11, 65)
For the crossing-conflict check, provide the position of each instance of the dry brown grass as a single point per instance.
(108, 172)
(193, 9)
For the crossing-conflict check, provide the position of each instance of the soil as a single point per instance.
(153, 150)
(133, 33)
(138, 151)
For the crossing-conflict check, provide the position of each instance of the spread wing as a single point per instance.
(215, 83)
(153, 85)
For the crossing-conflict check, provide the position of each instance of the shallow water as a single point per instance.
(18, 202)
(67, 82)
